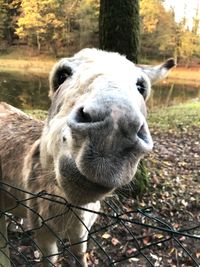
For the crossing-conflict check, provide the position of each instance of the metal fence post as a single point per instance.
(4, 249)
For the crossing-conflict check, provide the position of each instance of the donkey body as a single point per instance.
(91, 143)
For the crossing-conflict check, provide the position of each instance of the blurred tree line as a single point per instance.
(65, 26)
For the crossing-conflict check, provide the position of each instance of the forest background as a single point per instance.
(56, 28)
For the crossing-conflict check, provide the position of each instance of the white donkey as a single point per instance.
(91, 143)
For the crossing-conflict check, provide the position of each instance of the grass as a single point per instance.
(183, 115)
(37, 113)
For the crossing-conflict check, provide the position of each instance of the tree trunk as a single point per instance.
(38, 43)
(119, 27)
(119, 31)
(54, 48)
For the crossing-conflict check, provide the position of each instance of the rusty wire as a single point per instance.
(115, 218)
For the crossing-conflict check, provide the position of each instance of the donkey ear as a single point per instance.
(60, 72)
(159, 72)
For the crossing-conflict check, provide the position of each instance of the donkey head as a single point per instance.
(96, 131)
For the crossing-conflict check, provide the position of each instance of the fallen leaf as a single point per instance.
(106, 235)
(115, 241)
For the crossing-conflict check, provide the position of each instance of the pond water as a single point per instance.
(27, 91)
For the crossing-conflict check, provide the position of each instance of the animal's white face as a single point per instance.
(96, 131)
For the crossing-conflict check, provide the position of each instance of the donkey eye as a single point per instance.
(142, 87)
(62, 77)
(63, 74)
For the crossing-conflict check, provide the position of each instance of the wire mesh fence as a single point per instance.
(122, 236)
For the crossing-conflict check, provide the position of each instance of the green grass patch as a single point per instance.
(183, 115)
(37, 113)
(187, 114)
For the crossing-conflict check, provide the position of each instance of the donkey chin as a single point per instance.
(94, 175)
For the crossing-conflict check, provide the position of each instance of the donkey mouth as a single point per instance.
(68, 169)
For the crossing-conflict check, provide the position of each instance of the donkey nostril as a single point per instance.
(142, 133)
(144, 138)
(83, 116)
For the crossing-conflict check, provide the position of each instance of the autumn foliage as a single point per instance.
(63, 27)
